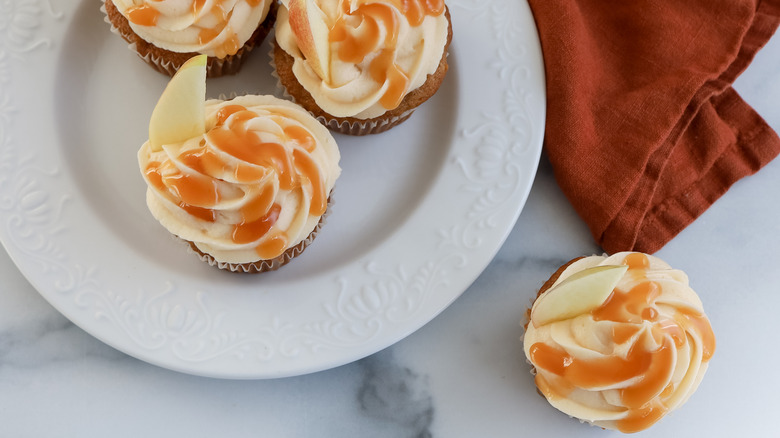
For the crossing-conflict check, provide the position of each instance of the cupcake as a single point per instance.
(361, 66)
(245, 181)
(166, 33)
(618, 341)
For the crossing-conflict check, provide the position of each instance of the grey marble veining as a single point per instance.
(393, 393)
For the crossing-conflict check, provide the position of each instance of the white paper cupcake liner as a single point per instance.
(371, 126)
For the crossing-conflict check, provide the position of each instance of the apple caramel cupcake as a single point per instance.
(618, 341)
(166, 33)
(246, 181)
(361, 66)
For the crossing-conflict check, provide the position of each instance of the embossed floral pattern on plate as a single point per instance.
(373, 298)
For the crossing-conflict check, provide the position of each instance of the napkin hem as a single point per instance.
(752, 149)
(660, 222)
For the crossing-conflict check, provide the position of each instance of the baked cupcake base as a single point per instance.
(168, 62)
(283, 64)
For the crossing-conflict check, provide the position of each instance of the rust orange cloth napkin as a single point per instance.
(644, 131)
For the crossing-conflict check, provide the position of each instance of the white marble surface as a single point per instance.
(462, 375)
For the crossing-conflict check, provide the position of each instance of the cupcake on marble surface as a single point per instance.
(166, 33)
(618, 341)
(247, 181)
(361, 66)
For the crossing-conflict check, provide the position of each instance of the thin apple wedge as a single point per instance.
(308, 24)
(578, 294)
(180, 113)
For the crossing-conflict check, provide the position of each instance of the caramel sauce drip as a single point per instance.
(203, 160)
(667, 391)
(272, 247)
(609, 370)
(220, 12)
(144, 15)
(227, 111)
(207, 34)
(628, 306)
(355, 46)
(156, 180)
(196, 189)
(700, 323)
(655, 366)
(246, 145)
(153, 176)
(204, 214)
(649, 369)
(245, 173)
(637, 260)
(384, 69)
(553, 389)
(309, 173)
(192, 188)
(247, 232)
(301, 137)
(229, 47)
(260, 205)
(416, 10)
(622, 333)
(640, 419)
(197, 6)
(231, 44)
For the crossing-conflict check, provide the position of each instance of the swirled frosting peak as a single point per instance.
(253, 185)
(370, 53)
(211, 27)
(626, 363)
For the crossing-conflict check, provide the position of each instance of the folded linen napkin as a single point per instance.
(644, 131)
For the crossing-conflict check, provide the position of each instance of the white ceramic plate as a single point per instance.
(419, 211)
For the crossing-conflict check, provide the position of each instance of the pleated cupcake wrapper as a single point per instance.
(373, 126)
(368, 126)
(265, 265)
(216, 67)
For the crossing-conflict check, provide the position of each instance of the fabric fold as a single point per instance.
(644, 131)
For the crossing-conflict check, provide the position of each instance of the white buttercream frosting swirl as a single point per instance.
(627, 363)
(256, 183)
(211, 27)
(354, 89)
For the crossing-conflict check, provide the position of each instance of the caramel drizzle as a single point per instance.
(197, 189)
(644, 399)
(143, 15)
(147, 15)
(374, 17)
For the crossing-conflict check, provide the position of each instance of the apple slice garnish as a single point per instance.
(580, 293)
(312, 33)
(180, 114)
